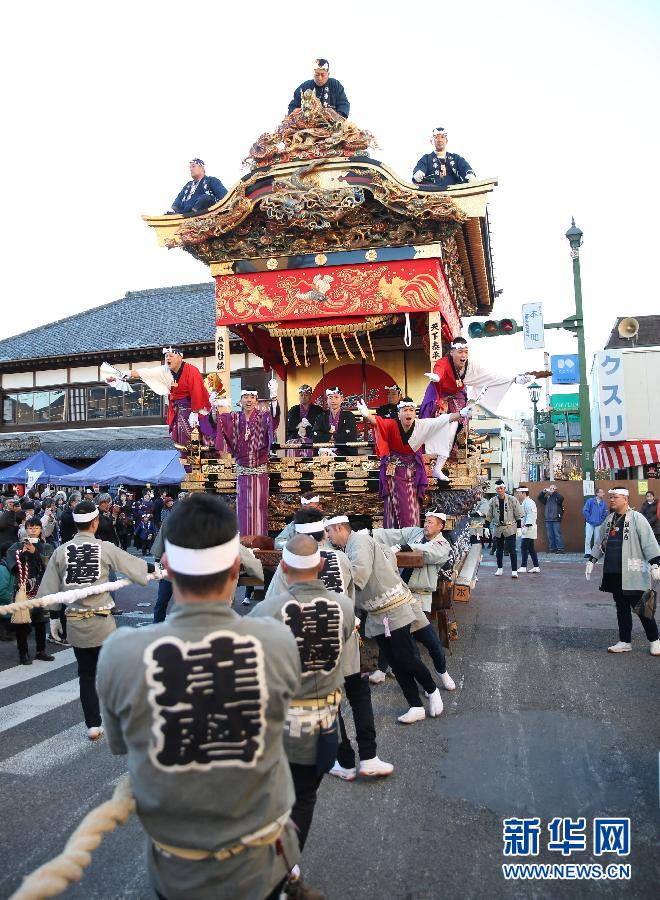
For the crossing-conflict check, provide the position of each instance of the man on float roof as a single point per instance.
(442, 169)
(329, 91)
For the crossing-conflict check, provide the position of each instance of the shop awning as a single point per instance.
(626, 454)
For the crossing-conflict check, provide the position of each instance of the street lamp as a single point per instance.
(574, 237)
(534, 395)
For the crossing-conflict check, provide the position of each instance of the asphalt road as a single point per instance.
(543, 723)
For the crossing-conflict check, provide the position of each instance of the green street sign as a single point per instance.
(558, 418)
(561, 403)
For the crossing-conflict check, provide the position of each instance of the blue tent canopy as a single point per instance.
(130, 467)
(51, 470)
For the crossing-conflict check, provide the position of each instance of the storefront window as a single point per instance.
(84, 404)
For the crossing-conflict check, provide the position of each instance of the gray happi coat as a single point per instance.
(337, 577)
(288, 532)
(328, 623)
(82, 562)
(513, 513)
(198, 704)
(639, 548)
(436, 552)
(377, 583)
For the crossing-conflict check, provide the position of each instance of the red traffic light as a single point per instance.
(507, 326)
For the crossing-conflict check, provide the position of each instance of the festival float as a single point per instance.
(335, 271)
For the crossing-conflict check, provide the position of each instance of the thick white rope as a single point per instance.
(68, 597)
(54, 877)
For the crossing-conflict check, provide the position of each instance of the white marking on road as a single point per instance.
(61, 749)
(23, 710)
(18, 674)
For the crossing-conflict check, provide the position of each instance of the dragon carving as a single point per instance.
(297, 202)
(311, 132)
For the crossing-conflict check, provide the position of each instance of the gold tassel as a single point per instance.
(371, 346)
(332, 344)
(322, 357)
(293, 350)
(284, 356)
(357, 341)
(305, 350)
(350, 355)
(21, 616)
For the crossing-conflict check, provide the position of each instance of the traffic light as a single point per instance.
(547, 435)
(493, 328)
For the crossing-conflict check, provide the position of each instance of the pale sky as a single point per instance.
(104, 104)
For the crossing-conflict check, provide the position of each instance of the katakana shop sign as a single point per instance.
(611, 395)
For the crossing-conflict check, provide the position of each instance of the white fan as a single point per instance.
(114, 377)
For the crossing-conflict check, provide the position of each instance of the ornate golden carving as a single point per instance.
(200, 228)
(297, 202)
(452, 263)
(311, 132)
(431, 205)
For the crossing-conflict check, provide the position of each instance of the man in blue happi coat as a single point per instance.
(440, 168)
(329, 91)
(199, 193)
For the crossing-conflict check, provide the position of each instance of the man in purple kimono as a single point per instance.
(249, 434)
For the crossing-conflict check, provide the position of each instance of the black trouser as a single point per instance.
(22, 632)
(306, 782)
(527, 547)
(624, 617)
(507, 544)
(402, 655)
(358, 694)
(162, 600)
(88, 658)
(123, 541)
(428, 637)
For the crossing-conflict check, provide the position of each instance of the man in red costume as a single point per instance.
(448, 392)
(189, 403)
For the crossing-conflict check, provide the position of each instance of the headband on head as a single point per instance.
(197, 162)
(305, 502)
(456, 344)
(619, 492)
(301, 562)
(322, 64)
(392, 387)
(439, 130)
(167, 350)
(253, 393)
(309, 527)
(335, 520)
(305, 388)
(330, 391)
(523, 490)
(85, 517)
(407, 401)
(438, 515)
(204, 561)
(500, 484)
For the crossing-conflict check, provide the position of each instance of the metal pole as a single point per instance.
(536, 440)
(574, 236)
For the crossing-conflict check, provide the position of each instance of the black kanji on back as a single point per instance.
(316, 627)
(83, 563)
(209, 701)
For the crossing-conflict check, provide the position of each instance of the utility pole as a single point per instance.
(574, 237)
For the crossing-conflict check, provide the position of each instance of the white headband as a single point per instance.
(620, 492)
(255, 393)
(455, 346)
(438, 515)
(301, 562)
(335, 520)
(329, 392)
(206, 561)
(167, 350)
(85, 517)
(523, 490)
(305, 502)
(402, 404)
(309, 527)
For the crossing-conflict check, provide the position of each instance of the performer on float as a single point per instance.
(329, 91)
(219, 403)
(300, 421)
(387, 600)
(451, 377)
(188, 401)
(322, 623)
(390, 410)
(82, 562)
(249, 434)
(440, 168)
(335, 425)
(197, 706)
(437, 552)
(198, 194)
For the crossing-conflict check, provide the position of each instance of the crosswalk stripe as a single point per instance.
(18, 674)
(23, 710)
(61, 749)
